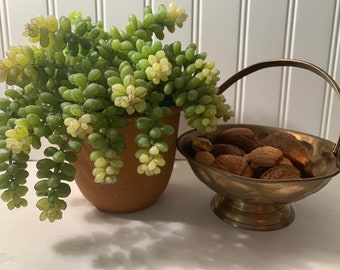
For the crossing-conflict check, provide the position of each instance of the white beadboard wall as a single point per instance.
(236, 34)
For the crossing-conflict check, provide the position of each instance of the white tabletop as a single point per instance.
(179, 232)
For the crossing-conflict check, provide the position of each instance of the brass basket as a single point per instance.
(265, 205)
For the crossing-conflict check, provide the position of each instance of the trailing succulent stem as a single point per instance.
(77, 83)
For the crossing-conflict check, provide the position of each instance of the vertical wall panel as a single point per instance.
(116, 12)
(266, 33)
(3, 37)
(219, 32)
(312, 42)
(334, 123)
(3, 28)
(18, 14)
(65, 7)
(332, 105)
(265, 39)
(334, 118)
(235, 34)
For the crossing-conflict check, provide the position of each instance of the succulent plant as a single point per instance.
(77, 82)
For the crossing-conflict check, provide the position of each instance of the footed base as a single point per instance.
(252, 216)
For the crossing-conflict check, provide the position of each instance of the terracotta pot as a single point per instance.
(133, 191)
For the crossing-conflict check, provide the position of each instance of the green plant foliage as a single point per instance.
(78, 82)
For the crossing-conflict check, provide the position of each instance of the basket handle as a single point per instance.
(285, 62)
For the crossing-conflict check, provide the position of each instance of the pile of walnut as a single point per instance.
(240, 151)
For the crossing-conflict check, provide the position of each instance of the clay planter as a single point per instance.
(133, 191)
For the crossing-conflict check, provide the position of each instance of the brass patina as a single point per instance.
(265, 205)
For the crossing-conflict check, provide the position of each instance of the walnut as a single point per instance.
(201, 144)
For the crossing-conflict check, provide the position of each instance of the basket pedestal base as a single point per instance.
(252, 216)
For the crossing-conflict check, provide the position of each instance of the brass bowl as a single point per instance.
(256, 204)
(265, 205)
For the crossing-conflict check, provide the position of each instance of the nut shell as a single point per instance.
(282, 171)
(233, 164)
(205, 157)
(244, 142)
(236, 131)
(201, 144)
(227, 149)
(291, 147)
(286, 161)
(265, 156)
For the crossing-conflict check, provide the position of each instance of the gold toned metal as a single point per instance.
(265, 205)
(285, 63)
(250, 216)
(256, 204)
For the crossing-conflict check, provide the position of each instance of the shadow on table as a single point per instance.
(181, 232)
